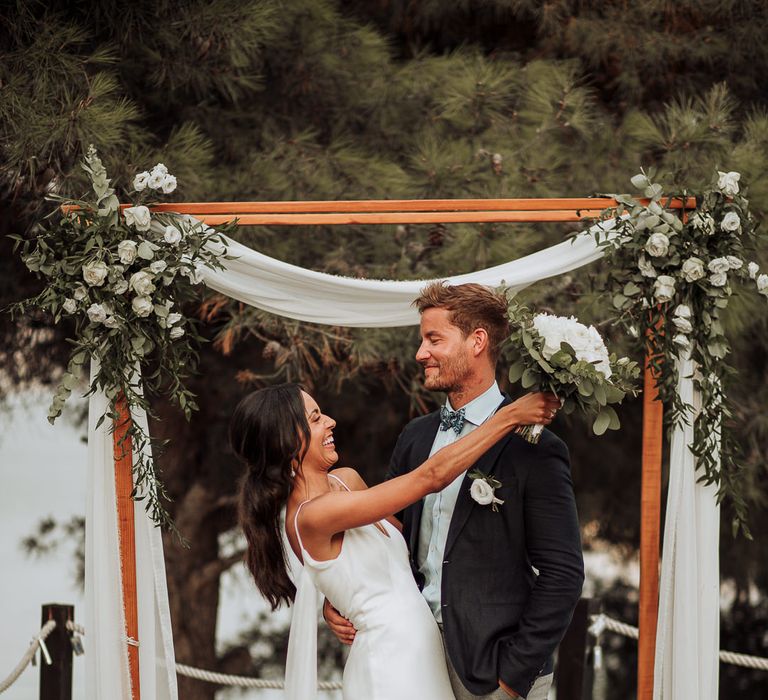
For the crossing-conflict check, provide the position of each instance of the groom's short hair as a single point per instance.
(471, 306)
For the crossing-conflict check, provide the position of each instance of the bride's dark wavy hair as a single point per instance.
(269, 433)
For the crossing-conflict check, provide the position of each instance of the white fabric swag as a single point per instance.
(297, 293)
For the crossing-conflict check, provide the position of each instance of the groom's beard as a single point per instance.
(450, 376)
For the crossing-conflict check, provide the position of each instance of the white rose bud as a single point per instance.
(734, 263)
(753, 269)
(127, 251)
(719, 265)
(111, 322)
(168, 184)
(664, 288)
(171, 235)
(69, 305)
(762, 284)
(683, 311)
(97, 313)
(94, 273)
(142, 283)
(693, 269)
(80, 293)
(120, 287)
(176, 332)
(481, 491)
(158, 266)
(657, 245)
(728, 183)
(140, 181)
(682, 324)
(731, 222)
(138, 217)
(173, 319)
(718, 279)
(645, 267)
(142, 306)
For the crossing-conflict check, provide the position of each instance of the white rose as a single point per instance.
(682, 341)
(140, 181)
(734, 263)
(682, 324)
(728, 183)
(80, 293)
(138, 217)
(120, 287)
(645, 266)
(753, 269)
(158, 266)
(718, 279)
(731, 222)
(173, 318)
(704, 223)
(97, 313)
(693, 269)
(111, 322)
(141, 283)
(171, 235)
(176, 332)
(683, 311)
(127, 251)
(142, 306)
(664, 288)
(156, 180)
(168, 184)
(762, 284)
(159, 169)
(69, 305)
(481, 491)
(657, 245)
(94, 273)
(719, 265)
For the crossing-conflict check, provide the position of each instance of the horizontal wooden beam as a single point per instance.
(402, 205)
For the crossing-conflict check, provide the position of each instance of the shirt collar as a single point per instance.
(482, 407)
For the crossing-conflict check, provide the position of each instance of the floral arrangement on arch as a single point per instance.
(670, 279)
(122, 275)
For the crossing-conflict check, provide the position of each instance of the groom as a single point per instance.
(502, 583)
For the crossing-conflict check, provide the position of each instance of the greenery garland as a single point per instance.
(670, 279)
(122, 275)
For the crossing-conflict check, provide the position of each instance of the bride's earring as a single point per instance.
(293, 472)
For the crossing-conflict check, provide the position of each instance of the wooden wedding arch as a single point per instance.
(424, 211)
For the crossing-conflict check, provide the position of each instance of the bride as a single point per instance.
(348, 540)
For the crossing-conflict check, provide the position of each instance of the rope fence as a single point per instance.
(600, 624)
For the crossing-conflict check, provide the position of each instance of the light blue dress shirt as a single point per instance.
(438, 507)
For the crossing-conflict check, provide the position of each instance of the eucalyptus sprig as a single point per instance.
(122, 275)
(671, 278)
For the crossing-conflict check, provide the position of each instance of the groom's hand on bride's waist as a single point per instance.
(339, 624)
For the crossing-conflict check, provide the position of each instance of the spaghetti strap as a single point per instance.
(340, 481)
(296, 526)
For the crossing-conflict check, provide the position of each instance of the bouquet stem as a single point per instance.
(530, 433)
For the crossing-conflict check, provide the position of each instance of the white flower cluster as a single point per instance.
(156, 179)
(586, 341)
(142, 266)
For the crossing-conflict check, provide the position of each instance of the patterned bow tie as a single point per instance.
(452, 419)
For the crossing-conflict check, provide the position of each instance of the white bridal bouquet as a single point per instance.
(561, 355)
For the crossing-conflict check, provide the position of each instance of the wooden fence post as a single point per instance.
(56, 678)
(575, 656)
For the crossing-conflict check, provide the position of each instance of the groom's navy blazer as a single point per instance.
(501, 619)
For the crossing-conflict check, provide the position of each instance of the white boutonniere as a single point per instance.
(483, 489)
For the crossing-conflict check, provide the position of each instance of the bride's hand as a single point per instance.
(539, 407)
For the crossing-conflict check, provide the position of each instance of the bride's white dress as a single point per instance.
(397, 653)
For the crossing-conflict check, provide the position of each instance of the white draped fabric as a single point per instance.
(688, 630)
(291, 291)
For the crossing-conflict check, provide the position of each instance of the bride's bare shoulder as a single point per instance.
(350, 477)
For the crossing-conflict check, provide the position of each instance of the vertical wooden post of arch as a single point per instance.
(123, 456)
(650, 528)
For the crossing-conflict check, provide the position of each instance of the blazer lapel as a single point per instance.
(464, 502)
(419, 454)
